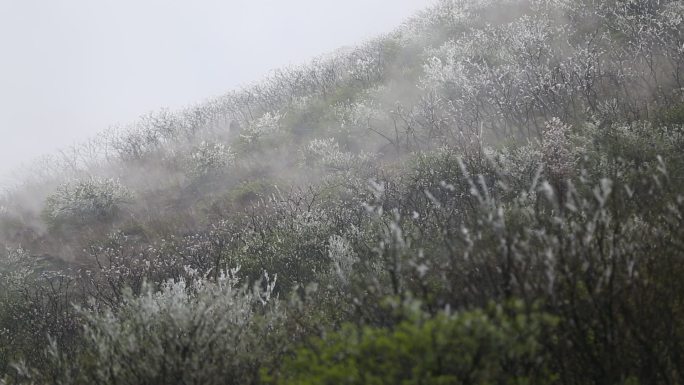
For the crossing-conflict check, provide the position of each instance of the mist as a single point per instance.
(484, 191)
(72, 68)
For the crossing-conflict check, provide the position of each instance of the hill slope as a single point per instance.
(520, 161)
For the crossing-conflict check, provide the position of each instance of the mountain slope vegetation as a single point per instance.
(491, 193)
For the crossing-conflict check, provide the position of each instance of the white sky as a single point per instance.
(71, 68)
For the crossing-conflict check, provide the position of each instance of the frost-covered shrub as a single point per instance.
(360, 114)
(342, 257)
(292, 234)
(85, 201)
(503, 77)
(326, 154)
(121, 264)
(556, 150)
(515, 75)
(209, 158)
(582, 251)
(16, 266)
(290, 241)
(192, 331)
(640, 142)
(267, 124)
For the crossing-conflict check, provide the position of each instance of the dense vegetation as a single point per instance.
(491, 194)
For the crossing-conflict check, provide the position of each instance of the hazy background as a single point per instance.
(71, 68)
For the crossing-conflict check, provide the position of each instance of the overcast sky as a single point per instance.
(71, 68)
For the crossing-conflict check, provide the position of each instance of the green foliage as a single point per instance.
(503, 345)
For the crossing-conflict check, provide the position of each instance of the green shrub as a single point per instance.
(501, 345)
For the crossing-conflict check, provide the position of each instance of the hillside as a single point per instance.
(491, 193)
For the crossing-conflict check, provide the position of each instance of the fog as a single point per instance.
(488, 190)
(71, 68)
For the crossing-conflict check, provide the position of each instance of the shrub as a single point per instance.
(82, 202)
(498, 345)
(209, 158)
(189, 332)
(326, 154)
(267, 125)
(35, 306)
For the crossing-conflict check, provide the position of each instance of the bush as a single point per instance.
(35, 306)
(208, 158)
(82, 202)
(498, 345)
(189, 332)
